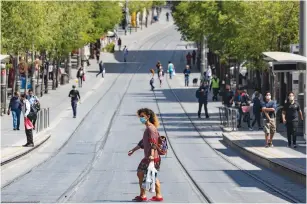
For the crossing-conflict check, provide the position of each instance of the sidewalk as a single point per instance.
(57, 101)
(285, 161)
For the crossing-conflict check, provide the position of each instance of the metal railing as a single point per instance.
(228, 117)
(42, 121)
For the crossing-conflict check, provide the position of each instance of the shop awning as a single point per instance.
(2, 57)
(284, 57)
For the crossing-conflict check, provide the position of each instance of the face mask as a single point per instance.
(268, 97)
(291, 98)
(143, 120)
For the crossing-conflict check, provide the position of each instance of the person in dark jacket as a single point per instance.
(75, 97)
(202, 95)
(257, 110)
(80, 75)
(228, 97)
(244, 103)
(15, 107)
(194, 56)
(290, 118)
(100, 69)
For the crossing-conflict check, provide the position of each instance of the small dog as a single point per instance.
(195, 81)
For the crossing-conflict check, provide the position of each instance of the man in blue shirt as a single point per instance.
(268, 109)
(15, 107)
(186, 73)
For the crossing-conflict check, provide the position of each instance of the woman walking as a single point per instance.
(149, 143)
(80, 75)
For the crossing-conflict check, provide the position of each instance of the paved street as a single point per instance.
(86, 158)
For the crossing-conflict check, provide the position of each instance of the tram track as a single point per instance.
(273, 188)
(101, 144)
(104, 139)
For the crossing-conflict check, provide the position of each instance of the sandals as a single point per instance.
(155, 198)
(139, 199)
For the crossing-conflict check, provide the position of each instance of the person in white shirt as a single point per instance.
(26, 110)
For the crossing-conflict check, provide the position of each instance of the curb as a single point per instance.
(25, 150)
(294, 174)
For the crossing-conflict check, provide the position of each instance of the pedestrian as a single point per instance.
(75, 97)
(170, 69)
(194, 57)
(257, 110)
(101, 69)
(186, 73)
(26, 110)
(151, 82)
(228, 96)
(167, 16)
(259, 93)
(268, 109)
(158, 65)
(189, 57)
(80, 75)
(202, 95)
(97, 55)
(119, 44)
(149, 143)
(290, 118)
(161, 75)
(34, 107)
(125, 53)
(15, 107)
(244, 108)
(215, 85)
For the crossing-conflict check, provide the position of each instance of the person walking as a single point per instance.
(244, 109)
(149, 143)
(170, 69)
(202, 95)
(290, 118)
(186, 73)
(80, 75)
(97, 55)
(161, 75)
(101, 69)
(167, 16)
(215, 85)
(194, 57)
(125, 53)
(189, 57)
(15, 107)
(119, 44)
(257, 110)
(228, 96)
(151, 82)
(268, 109)
(158, 65)
(26, 110)
(34, 107)
(75, 97)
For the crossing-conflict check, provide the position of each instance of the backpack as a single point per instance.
(162, 145)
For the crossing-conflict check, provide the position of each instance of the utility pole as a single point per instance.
(203, 66)
(126, 16)
(302, 51)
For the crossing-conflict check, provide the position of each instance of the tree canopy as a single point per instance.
(55, 26)
(243, 29)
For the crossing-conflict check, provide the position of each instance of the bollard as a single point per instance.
(48, 116)
(37, 121)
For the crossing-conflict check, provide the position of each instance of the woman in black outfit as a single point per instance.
(290, 118)
(257, 110)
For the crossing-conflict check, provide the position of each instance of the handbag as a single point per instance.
(28, 124)
(83, 77)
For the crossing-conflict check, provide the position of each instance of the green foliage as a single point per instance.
(110, 48)
(57, 27)
(239, 29)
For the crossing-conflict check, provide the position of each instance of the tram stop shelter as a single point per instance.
(284, 62)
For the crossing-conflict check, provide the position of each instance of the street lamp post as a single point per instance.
(302, 51)
(126, 16)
